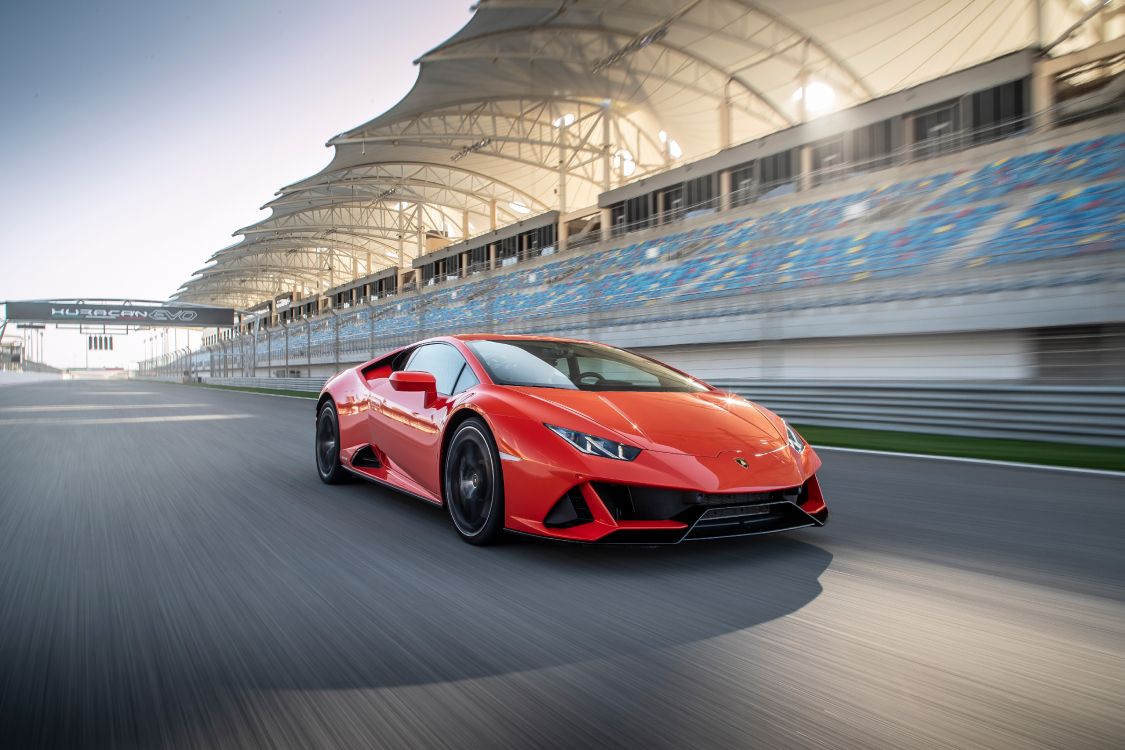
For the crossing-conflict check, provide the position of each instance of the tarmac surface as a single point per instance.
(173, 574)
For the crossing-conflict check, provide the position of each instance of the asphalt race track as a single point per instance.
(172, 573)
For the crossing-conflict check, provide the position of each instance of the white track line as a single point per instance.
(985, 461)
(96, 407)
(260, 393)
(124, 420)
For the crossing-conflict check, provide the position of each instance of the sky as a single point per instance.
(136, 136)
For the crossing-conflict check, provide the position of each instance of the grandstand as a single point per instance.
(828, 220)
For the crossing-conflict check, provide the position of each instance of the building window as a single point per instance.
(999, 112)
(828, 160)
(673, 203)
(937, 130)
(701, 192)
(775, 170)
(743, 185)
(871, 146)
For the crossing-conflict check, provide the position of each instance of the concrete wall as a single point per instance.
(999, 355)
(20, 378)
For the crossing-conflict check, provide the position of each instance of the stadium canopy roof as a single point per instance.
(543, 104)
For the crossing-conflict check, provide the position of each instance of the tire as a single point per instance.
(473, 484)
(328, 445)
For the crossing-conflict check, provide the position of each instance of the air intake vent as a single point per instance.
(570, 510)
(617, 499)
(365, 458)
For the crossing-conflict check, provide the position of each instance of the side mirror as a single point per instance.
(415, 381)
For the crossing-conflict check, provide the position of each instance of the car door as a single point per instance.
(416, 426)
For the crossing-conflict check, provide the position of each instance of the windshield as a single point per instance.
(575, 366)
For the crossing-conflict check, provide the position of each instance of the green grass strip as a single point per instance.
(249, 389)
(995, 449)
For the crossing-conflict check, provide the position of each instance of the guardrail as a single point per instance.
(311, 385)
(1091, 415)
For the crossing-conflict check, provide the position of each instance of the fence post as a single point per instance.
(371, 329)
(336, 340)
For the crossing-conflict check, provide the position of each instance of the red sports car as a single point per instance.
(564, 439)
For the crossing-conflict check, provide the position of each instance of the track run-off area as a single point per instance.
(173, 574)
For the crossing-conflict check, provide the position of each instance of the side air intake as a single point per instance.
(365, 458)
(570, 510)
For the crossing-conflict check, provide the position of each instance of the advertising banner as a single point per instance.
(120, 314)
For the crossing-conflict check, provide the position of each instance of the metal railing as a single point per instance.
(1072, 414)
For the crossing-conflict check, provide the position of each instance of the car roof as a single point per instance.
(511, 337)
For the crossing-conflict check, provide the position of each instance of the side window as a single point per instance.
(400, 360)
(440, 360)
(465, 381)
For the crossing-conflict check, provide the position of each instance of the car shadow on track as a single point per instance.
(451, 611)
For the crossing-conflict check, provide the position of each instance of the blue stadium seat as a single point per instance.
(889, 231)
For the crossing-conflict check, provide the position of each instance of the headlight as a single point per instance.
(795, 441)
(595, 446)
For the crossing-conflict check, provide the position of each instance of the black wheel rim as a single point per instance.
(327, 444)
(470, 483)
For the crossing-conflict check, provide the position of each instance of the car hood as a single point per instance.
(706, 423)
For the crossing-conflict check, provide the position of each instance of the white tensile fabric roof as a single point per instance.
(603, 92)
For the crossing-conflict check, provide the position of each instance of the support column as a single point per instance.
(607, 144)
(1038, 24)
(335, 340)
(492, 215)
(1042, 97)
(803, 83)
(491, 256)
(606, 215)
(371, 328)
(464, 225)
(804, 178)
(563, 233)
(400, 274)
(908, 138)
(724, 190)
(724, 117)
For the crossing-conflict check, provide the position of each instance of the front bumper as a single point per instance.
(581, 515)
(553, 491)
